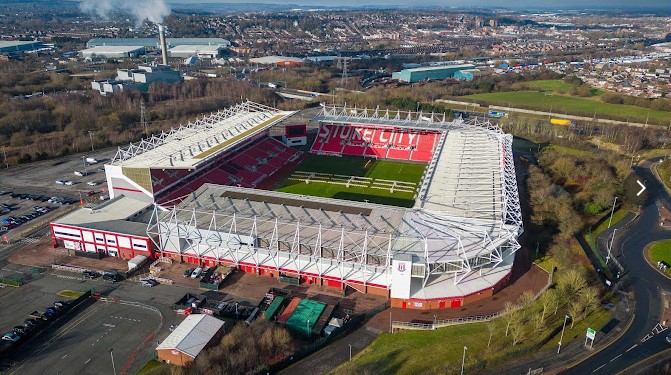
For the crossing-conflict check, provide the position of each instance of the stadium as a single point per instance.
(407, 205)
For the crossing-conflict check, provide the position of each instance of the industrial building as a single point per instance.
(117, 227)
(467, 74)
(196, 333)
(277, 60)
(204, 52)
(413, 75)
(112, 52)
(137, 79)
(154, 42)
(17, 46)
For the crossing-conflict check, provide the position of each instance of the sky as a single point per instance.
(556, 4)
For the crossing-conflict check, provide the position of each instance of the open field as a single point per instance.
(560, 104)
(661, 252)
(355, 178)
(441, 350)
(553, 85)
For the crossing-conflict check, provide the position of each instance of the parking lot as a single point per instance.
(82, 345)
(40, 177)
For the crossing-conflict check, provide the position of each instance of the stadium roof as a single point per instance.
(192, 335)
(153, 42)
(196, 142)
(114, 215)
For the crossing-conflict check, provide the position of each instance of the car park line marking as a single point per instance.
(63, 357)
(87, 361)
(635, 345)
(616, 357)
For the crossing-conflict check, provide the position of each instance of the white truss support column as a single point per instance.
(232, 231)
(254, 235)
(296, 247)
(465, 264)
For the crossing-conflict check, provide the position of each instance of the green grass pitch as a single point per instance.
(360, 167)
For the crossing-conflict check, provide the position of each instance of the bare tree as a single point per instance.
(548, 299)
(517, 331)
(491, 328)
(575, 309)
(526, 298)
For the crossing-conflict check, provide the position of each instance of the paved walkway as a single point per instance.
(333, 354)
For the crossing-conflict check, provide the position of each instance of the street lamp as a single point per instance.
(562, 333)
(611, 212)
(610, 246)
(463, 360)
(112, 356)
(350, 352)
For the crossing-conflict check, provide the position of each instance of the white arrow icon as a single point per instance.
(642, 188)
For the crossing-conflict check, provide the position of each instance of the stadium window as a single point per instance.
(67, 234)
(417, 270)
(109, 240)
(139, 246)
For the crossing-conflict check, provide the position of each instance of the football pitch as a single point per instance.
(356, 179)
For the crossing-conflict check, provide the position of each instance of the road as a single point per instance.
(645, 336)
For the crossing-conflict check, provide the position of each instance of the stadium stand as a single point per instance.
(247, 168)
(378, 142)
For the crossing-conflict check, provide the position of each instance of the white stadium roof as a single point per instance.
(192, 335)
(196, 142)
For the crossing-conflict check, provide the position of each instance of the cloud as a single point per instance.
(139, 10)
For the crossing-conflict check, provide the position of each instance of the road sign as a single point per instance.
(591, 333)
(642, 188)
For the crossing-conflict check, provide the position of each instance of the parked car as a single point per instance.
(37, 315)
(149, 282)
(11, 336)
(91, 183)
(60, 304)
(69, 183)
(112, 276)
(60, 182)
(33, 322)
(22, 330)
(90, 193)
(196, 273)
(90, 274)
(188, 272)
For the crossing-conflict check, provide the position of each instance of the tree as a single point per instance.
(526, 298)
(517, 331)
(511, 314)
(491, 328)
(548, 299)
(589, 299)
(570, 282)
(575, 309)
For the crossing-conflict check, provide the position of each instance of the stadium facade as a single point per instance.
(456, 244)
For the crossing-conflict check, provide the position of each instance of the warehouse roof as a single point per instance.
(153, 42)
(192, 335)
(112, 49)
(276, 60)
(195, 48)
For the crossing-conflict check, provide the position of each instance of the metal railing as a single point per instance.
(398, 325)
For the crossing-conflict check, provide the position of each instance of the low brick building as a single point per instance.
(196, 333)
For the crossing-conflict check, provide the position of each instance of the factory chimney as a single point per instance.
(164, 47)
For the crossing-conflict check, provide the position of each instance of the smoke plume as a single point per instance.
(139, 10)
